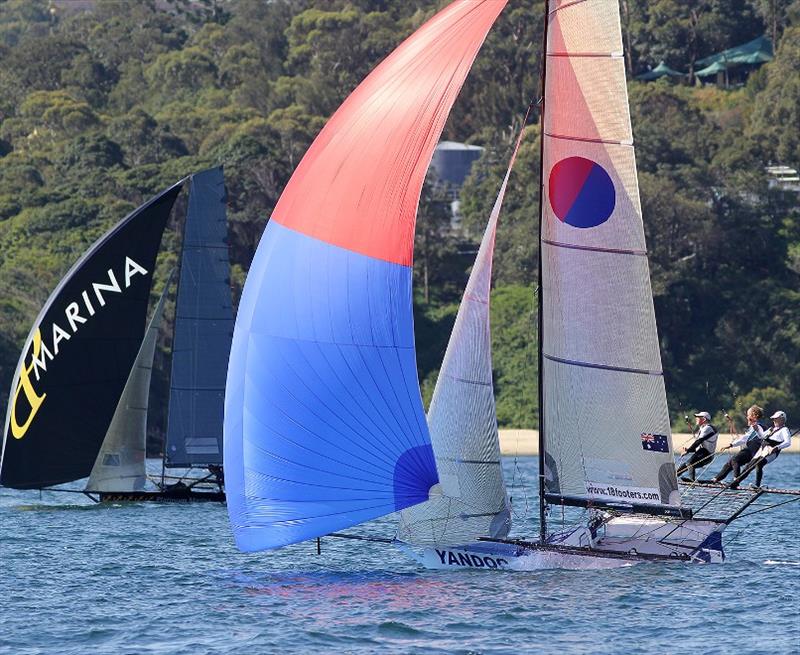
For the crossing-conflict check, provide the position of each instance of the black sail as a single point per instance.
(79, 354)
(203, 329)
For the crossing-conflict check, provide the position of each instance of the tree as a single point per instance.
(435, 255)
(776, 111)
(335, 50)
(143, 140)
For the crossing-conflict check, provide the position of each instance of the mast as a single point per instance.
(540, 306)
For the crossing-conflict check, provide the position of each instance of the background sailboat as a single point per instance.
(200, 349)
(203, 329)
(79, 354)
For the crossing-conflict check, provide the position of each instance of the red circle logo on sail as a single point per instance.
(581, 192)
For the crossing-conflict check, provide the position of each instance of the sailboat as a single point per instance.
(324, 426)
(79, 398)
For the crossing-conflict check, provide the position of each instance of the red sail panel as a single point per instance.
(359, 183)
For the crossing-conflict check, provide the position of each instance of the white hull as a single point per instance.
(477, 557)
(623, 541)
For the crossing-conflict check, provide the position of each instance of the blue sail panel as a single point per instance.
(324, 424)
(203, 329)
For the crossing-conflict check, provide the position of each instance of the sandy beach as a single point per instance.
(526, 442)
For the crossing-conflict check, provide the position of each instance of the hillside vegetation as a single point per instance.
(103, 104)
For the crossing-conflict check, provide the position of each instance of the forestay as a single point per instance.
(203, 329)
(120, 464)
(324, 425)
(607, 430)
(470, 500)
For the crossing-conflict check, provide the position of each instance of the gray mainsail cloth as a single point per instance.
(203, 329)
(120, 464)
(606, 426)
(470, 500)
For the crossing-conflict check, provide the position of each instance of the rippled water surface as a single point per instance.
(147, 578)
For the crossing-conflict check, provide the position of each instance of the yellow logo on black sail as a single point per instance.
(34, 400)
(75, 316)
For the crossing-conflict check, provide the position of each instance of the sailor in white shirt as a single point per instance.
(703, 446)
(750, 442)
(775, 440)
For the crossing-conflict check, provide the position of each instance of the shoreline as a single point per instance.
(525, 443)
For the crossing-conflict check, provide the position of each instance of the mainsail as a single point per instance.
(79, 354)
(471, 500)
(324, 425)
(203, 329)
(606, 429)
(120, 464)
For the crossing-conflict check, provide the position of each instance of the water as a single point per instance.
(148, 578)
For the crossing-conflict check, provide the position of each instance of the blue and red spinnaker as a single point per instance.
(324, 424)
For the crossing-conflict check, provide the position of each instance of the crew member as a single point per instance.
(775, 440)
(750, 442)
(703, 446)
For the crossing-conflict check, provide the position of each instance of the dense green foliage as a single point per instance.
(100, 109)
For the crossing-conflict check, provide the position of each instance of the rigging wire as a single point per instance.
(764, 509)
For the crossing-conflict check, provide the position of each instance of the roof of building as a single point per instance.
(756, 51)
(454, 145)
(661, 70)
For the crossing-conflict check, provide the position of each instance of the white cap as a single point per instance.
(779, 414)
(704, 415)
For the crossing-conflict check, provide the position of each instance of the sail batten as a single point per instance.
(621, 369)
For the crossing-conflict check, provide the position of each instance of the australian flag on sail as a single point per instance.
(656, 442)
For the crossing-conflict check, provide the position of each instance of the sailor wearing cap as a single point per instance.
(703, 446)
(775, 440)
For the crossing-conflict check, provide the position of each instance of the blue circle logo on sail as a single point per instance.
(581, 192)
